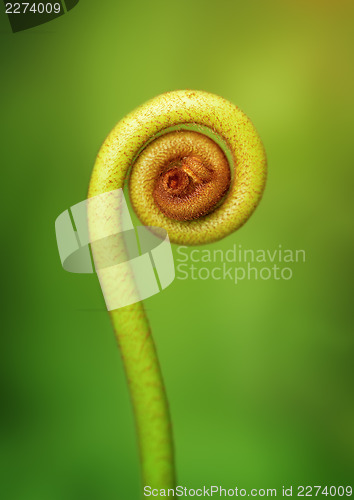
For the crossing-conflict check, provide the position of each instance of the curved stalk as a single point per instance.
(183, 183)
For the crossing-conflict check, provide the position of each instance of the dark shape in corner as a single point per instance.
(21, 21)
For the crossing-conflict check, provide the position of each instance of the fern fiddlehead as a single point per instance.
(180, 180)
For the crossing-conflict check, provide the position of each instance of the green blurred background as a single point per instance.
(260, 376)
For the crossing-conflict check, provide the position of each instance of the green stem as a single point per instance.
(148, 395)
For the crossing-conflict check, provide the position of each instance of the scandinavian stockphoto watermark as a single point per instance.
(236, 491)
(238, 263)
(134, 263)
(208, 491)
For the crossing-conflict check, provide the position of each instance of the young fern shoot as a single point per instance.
(180, 180)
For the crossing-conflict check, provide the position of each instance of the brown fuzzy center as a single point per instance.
(189, 189)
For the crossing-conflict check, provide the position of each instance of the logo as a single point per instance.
(25, 15)
(132, 263)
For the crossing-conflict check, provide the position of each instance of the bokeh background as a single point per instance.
(260, 376)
